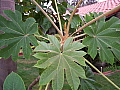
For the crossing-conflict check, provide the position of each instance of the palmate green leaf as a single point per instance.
(102, 36)
(59, 65)
(17, 34)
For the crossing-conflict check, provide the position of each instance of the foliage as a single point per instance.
(61, 59)
(76, 21)
(25, 70)
(13, 82)
(58, 63)
(89, 83)
(17, 34)
(30, 10)
(103, 38)
(106, 85)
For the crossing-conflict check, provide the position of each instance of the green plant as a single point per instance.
(59, 61)
(13, 81)
(62, 59)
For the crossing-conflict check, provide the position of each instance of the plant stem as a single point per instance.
(40, 88)
(47, 17)
(79, 36)
(58, 16)
(102, 74)
(47, 86)
(41, 37)
(34, 83)
(103, 15)
(71, 16)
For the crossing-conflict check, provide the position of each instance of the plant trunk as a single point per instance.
(6, 65)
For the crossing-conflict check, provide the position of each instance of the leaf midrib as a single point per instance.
(103, 49)
(70, 71)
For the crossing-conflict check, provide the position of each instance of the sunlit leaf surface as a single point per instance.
(59, 64)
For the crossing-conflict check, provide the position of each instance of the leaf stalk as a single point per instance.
(79, 36)
(102, 74)
(47, 86)
(47, 17)
(58, 17)
(71, 16)
(41, 37)
(40, 88)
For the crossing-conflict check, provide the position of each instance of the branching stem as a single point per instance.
(41, 37)
(71, 16)
(79, 36)
(102, 74)
(47, 17)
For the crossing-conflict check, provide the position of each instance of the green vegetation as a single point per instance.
(29, 73)
(105, 84)
(61, 59)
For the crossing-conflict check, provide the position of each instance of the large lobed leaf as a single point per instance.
(103, 38)
(58, 63)
(17, 34)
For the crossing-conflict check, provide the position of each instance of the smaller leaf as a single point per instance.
(89, 83)
(75, 21)
(13, 82)
(89, 72)
(62, 7)
(46, 24)
(88, 18)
